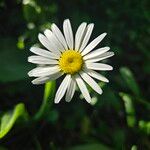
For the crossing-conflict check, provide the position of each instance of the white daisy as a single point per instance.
(74, 58)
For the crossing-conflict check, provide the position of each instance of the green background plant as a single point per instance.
(117, 119)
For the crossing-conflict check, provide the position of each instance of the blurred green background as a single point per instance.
(119, 119)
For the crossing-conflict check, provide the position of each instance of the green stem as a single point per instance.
(47, 100)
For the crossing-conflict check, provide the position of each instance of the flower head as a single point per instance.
(72, 57)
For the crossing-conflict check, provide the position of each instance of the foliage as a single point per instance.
(117, 119)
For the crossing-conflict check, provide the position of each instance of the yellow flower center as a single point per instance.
(71, 62)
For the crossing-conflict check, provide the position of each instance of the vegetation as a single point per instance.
(116, 120)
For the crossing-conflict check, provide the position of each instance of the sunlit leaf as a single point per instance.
(129, 108)
(20, 43)
(145, 126)
(134, 147)
(9, 118)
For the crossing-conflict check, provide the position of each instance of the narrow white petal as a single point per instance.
(68, 33)
(59, 35)
(93, 44)
(53, 40)
(41, 60)
(44, 53)
(96, 53)
(45, 79)
(79, 35)
(40, 80)
(83, 88)
(101, 57)
(62, 88)
(87, 36)
(98, 66)
(43, 71)
(45, 42)
(70, 90)
(91, 82)
(96, 75)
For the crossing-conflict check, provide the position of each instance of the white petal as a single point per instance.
(41, 60)
(44, 53)
(40, 80)
(43, 71)
(87, 36)
(96, 75)
(70, 90)
(93, 44)
(62, 88)
(96, 53)
(68, 33)
(47, 44)
(79, 35)
(59, 35)
(98, 66)
(83, 88)
(53, 40)
(44, 79)
(91, 82)
(101, 57)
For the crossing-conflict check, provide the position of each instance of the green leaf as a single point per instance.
(118, 138)
(85, 125)
(129, 108)
(109, 98)
(52, 116)
(134, 147)
(95, 146)
(145, 126)
(3, 148)
(146, 66)
(9, 118)
(31, 11)
(14, 65)
(129, 80)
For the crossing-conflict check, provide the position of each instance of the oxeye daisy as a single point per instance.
(72, 57)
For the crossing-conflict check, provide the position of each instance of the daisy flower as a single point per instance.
(72, 57)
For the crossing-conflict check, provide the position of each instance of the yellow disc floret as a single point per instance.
(71, 62)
